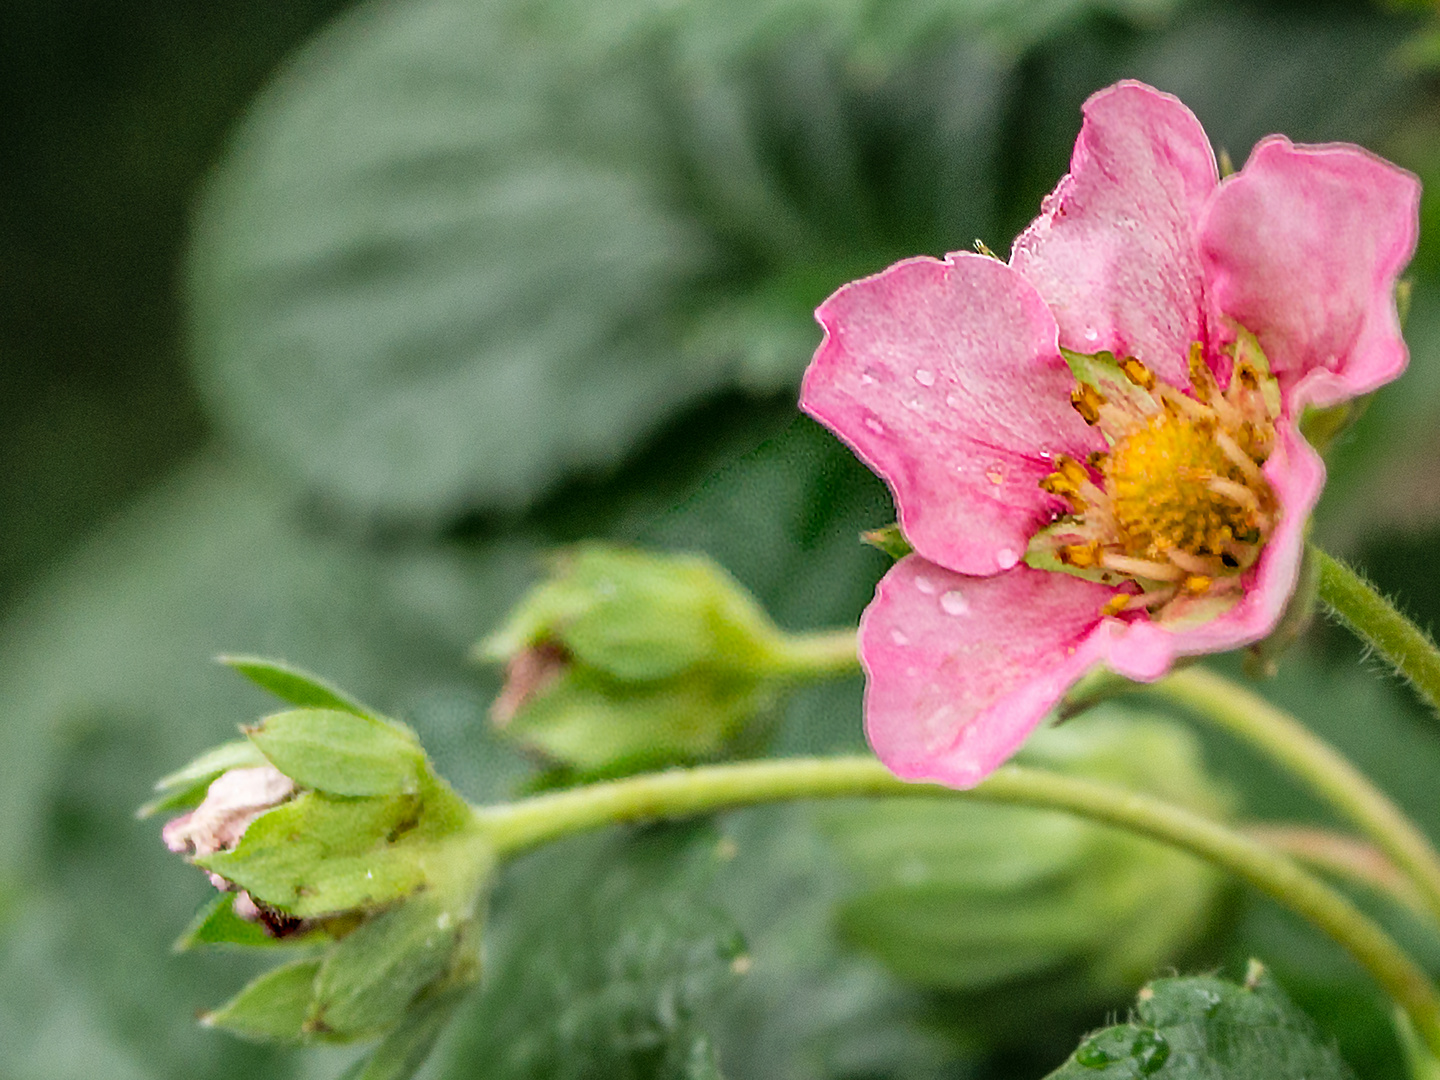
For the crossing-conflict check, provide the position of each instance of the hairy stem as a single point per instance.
(1317, 764)
(681, 793)
(1380, 625)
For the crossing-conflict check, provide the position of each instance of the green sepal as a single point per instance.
(888, 539)
(217, 924)
(295, 685)
(321, 854)
(370, 978)
(185, 788)
(594, 723)
(1102, 371)
(402, 1052)
(272, 1007)
(343, 753)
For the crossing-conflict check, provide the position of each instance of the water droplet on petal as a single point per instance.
(1092, 334)
(924, 376)
(955, 401)
(1005, 558)
(899, 638)
(925, 585)
(875, 425)
(954, 603)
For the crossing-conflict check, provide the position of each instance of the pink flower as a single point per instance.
(1156, 507)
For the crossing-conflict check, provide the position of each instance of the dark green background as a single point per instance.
(573, 249)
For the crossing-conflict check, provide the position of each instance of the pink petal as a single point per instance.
(1113, 251)
(961, 669)
(1146, 650)
(944, 378)
(1303, 248)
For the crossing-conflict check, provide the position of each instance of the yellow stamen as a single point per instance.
(1138, 373)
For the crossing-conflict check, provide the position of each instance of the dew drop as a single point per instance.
(1092, 334)
(1005, 558)
(899, 638)
(924, 376)
(954, 603)
(925, 585)
(875, 425)
(1150, 1051)
(1093, 1054)
(955, 401)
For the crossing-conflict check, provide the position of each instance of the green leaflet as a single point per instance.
(1204, 1028)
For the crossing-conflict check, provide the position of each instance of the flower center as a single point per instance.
(1178, 505)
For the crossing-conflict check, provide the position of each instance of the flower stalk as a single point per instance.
(1380, 625)
(679, 793)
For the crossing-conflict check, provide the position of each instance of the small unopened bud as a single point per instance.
(624, 659)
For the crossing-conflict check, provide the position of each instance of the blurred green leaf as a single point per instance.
(1204, 1028)
(343, 753)
(602, 212)
(295, 685)
(272, 1007)
(602, 959)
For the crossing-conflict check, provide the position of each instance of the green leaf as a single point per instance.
(272, 1007)
(186, 787)
(342, 753)
(295, 685)
(1204, 1028)
(369, 979)
(217, 924)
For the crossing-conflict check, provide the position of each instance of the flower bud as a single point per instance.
(623, 660)
(342, 838)
(1027, 917)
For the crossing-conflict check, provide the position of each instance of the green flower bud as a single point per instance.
(328, 828)
(1021, 918)
(624, 660)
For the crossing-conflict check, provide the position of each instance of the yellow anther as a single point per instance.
(1073, 471)
(1116, 604)
(1202, 380)
(1087, 401)
(1196, 585)
(1138, 373)
(1081, 556)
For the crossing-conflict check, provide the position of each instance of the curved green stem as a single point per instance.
(1380, 625)
(1343, 856)
(1317, 764)
(682, 793)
